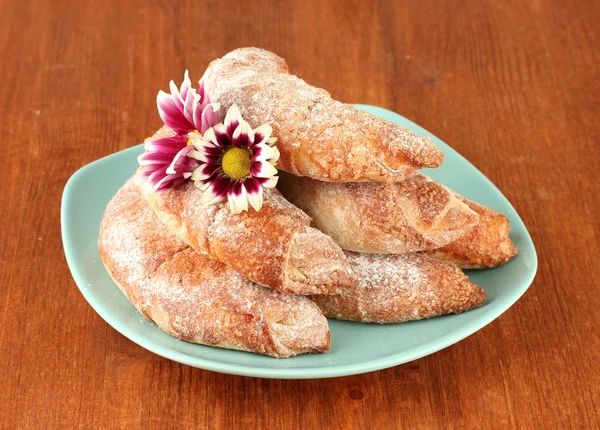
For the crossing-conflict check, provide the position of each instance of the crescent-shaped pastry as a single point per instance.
(317, 136)
(389, 218)
(399, 288)
(198, 299)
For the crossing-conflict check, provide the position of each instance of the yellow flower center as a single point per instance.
(236, 163)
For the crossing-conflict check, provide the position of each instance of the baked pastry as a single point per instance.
(389, 218)
(275, 247)
(486, 245)
(399, 288)
(195, 298)
(317, 136)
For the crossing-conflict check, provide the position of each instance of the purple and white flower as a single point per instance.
(235, 162)
(165, 163)
(185, 110)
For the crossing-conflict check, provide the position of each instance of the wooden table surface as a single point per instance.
(513, 86)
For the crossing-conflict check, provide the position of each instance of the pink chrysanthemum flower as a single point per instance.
(165, 163)
(186, 111)
(235, 162)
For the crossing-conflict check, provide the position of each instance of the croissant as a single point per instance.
(317, 136)
(195, 298)
(275, 247)
(388, 218)
(399, 288)
(486, 245)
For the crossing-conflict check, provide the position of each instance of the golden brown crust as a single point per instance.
(263, 246)
(317, 136)
(133, 260)
(398, 288)
(391, 218)
(486, 245)
(198, 299)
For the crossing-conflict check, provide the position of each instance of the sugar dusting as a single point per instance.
(393, 218)
(398, 288)
(486, 245)
(198, 299)
(318, 136)
(256, 244)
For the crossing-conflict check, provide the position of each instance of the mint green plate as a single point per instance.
(355, 348)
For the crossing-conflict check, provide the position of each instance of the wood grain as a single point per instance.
(513, 86)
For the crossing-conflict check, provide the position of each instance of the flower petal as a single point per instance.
(210, 197)
(237, 198)
(208, 147)
(186, 84)
(216, 191)
(203, 185)
(263, 169)
(195, 135)
(254, 190)
(269, 182)
(200, 156)
(262, 134)
(256, 200)
(205, 171)
(198, 175)
(182, 163)
(209, 136)
(206, 152)
(156, 175)
(202, 91)
(264, 152)
(170, 113)
(221, 137)
(190, 101)
(176, 95)
(168, 145)
(252, 185)
(149, 158)
(232, 119)
(206, 117)
(275, 158)
(243, 136)
(167, 182)
(164, 164)
(199, 142)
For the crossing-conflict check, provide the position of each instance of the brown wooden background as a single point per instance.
(512, 85)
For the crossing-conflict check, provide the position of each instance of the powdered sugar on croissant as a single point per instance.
(195, 298)
(399, 288)
(390, 218)
(317, 136)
